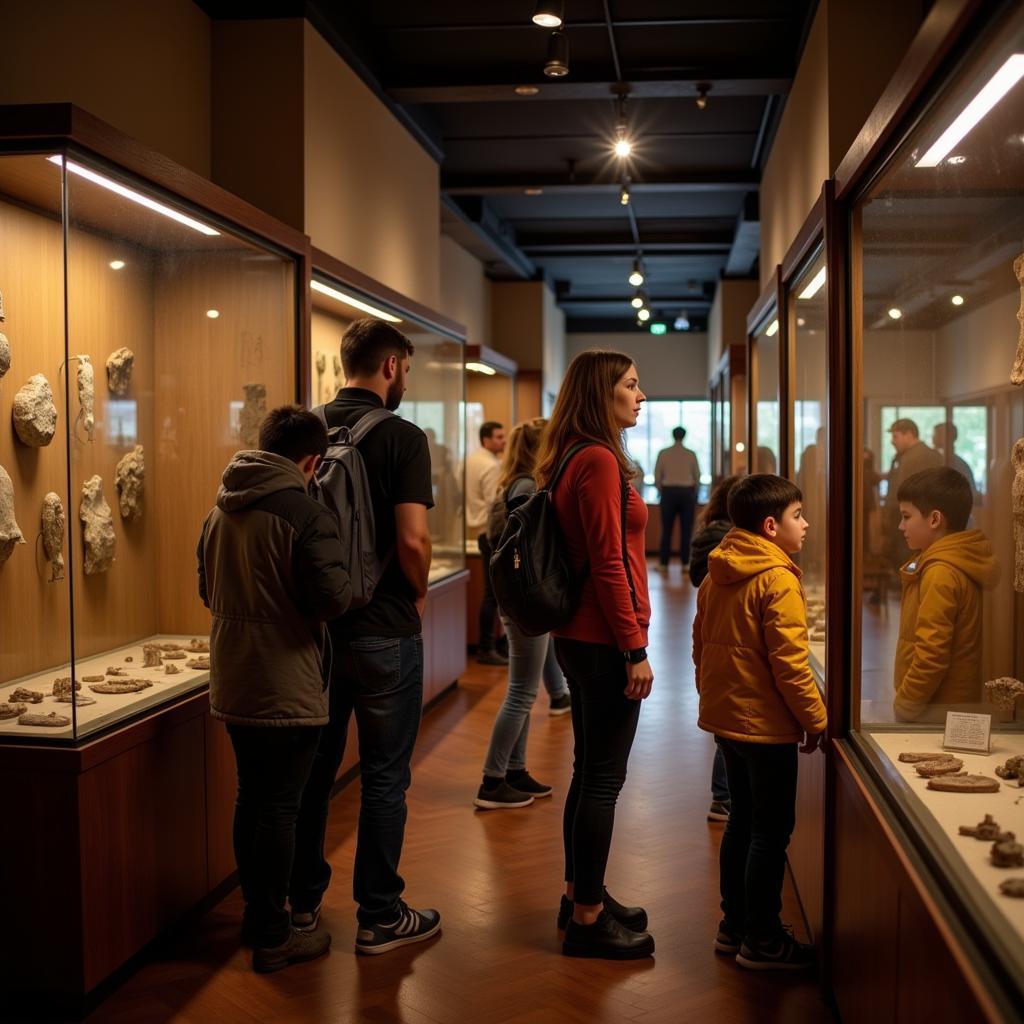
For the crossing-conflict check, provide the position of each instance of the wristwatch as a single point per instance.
(635, 656)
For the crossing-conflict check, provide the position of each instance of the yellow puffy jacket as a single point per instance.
(750, 645)
(938, 657)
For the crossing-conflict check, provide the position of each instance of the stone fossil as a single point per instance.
(62, 685)
(53, 521)
(931, 769)
(8, 711)
(79, 699)
(121, 686)
(1018, 515)
(10, 534)
(92, 679)
(33, 412)
(964, 783)
(86, 393)
(171, 647)
(174, 655)
(151, 656)
(912, 758)
(253, 411)
(52, 720)
(129, 659)
(23, 696)
(1003, 692)
(987, 830)
(199, 646)
(119, 370)
(5, 355)
(1007, 855)
(171, 669)
(198, 663)
(98, 526)
(130, 478)
(115, 671)
(1012, 768)
(1012, 887)
(1017, 373)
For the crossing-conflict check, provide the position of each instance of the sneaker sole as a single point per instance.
(269, 967)
(558, 712)
(540, 796)
(499, 805)
(307, 928)
(725, 947)
(386, 947)
(715, 816)
(592, 953)
(769, 965)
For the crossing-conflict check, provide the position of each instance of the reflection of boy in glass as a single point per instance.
(912, 456)
(938, 657)
(944, 437)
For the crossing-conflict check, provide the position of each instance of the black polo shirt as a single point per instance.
(397, 463)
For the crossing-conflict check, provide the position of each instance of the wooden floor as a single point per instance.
(496, 878)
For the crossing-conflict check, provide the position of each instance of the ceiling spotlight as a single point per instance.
(117, 264)
(533, 191)
(624, 195)
(682, 322)
(637, 301)
(895, 313)
(957, 300)
(623, 147)
(213, 313)
(557, 65)
(548, 14)
(637, 277)
(526, 90)
(644, 315)
(703, 88)
(800, 321)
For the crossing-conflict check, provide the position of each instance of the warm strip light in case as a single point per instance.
(814, 287)
(773, 329)
(994, 90)
(349, 300)
(481, 368)
(135, 197)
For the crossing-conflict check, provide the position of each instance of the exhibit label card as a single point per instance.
(964, 731)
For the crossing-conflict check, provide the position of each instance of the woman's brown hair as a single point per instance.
(718, 501)
(585, 409)
(521, 452)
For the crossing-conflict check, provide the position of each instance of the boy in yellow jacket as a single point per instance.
(759, 698)
(938, 657)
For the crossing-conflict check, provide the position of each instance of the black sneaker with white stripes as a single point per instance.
(410, 926)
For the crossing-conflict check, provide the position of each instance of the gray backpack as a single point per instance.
(341, 484)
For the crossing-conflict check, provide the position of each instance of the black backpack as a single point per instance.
(531, 575)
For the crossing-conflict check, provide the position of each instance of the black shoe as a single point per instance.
(560, 705)
(718, 811)
(524, 782)
(490, 658)
(606, 939)
(500, 797)
(728, 940)
(306, 920)
(781, 954)
(297, 948)
(633, 918)
(410, 926)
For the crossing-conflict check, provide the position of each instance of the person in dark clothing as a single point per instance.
(378, 663)
(271, 572)
(714, 524)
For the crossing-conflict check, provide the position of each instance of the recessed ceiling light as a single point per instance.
(213, 313)
(526, 90)
(895, 314)
(800, 321)
(117, 264)
(740, 447)
(534, 191)
(548, 13)
(957, 300)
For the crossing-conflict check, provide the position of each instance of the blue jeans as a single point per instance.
(381, 680)
(529, 658)
(719, 779)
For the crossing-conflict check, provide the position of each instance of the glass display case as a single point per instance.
(142, 341)
(937, 290)
(765, 408)
(727, 390)
(433, 401)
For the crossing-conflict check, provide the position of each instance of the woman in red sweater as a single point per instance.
(602, 650)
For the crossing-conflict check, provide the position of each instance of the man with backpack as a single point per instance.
(378, 648)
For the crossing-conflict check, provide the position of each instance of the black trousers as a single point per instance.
(604, 723)
(752, 858)
(488, 604)
(273, 766)
(678, 502)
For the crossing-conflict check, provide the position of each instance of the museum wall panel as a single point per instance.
(465, 291)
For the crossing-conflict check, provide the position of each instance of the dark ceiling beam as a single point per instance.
(477, 216)
(601, 137)
(697, 301)
(529, 26)
(599, 90)
(628, 325)
(746, 243)
(723, 180)
(586, 251)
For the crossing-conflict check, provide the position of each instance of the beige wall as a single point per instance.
(371, 189)
(465, 291)
(670, 366)
(517, 321)
(142, 67)
(727, 320)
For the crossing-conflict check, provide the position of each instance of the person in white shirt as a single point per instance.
(482, 470)
(677, 477)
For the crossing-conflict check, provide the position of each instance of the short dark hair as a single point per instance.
(489, 428)
(940, 489)
(293, 433)
(758, 496)
(950, 429)
(368, 342)
(905, 426)
(679, 434)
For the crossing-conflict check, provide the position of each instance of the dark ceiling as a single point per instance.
(529, 183)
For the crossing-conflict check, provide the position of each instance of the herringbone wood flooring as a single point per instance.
(496, 877)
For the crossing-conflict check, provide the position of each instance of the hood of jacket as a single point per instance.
(742, 554)
(252, 475)
(967, 550)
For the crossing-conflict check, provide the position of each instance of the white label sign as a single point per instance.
(964, 731)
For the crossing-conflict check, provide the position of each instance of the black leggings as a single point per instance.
(604, 723)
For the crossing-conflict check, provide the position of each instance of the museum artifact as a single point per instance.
(10, 534)
(175, 655)
(199, 646)
(1012, 768)
(171, 647)
(1003, 692)
(339, 380)
(964, 783)
(912, 758)
(129, 658)
(253, 411)
(1017, 373)
(80, 699)
(8, 711)
(121, 686)
(23, 696)
(62, 685)
(1018, 515)
(52, 720)
(5, 355)
(987, 830)
(53, 520)
(130, 479)
(33, 412)
(86, 393)
(198, 663)
(151, 656)
(171, 669)
(98, 527)
(931, 769)
(1007, 855)
(1013, 887)
(119, 370)
(321, 366)
(92, 679)
(115, 671)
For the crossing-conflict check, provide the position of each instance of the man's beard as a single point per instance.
(395, 391)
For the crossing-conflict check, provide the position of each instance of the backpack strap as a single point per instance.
(367, 422)
(321, 413)
(570, 452)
